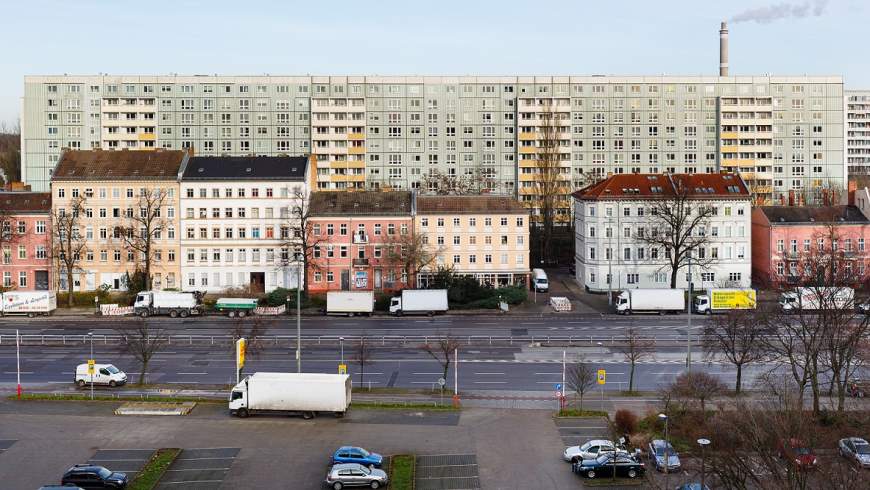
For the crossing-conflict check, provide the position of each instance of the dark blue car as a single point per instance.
(351, 454)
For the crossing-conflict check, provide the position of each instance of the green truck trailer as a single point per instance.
(236, 306)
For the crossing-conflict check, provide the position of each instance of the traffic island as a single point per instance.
(150, 474)
(402, 468)
(155, 408)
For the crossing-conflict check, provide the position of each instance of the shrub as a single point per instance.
(625, 421)
(513, 295)
(279, 297)
(86, 298)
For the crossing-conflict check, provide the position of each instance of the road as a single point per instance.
(526, 363)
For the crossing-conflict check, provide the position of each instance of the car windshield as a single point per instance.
(363, 452)
(660, 450)
(365, 470)
(862, 448)
(586, 446)
(802, 450)
(104, 473)
(113, 369)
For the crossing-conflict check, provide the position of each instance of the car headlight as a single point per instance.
(814, 461)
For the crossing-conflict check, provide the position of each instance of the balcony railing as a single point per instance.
(360, 262)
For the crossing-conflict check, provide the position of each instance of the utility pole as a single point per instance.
(91, 369)
(299, 316)
(689, 326)
(18, 361)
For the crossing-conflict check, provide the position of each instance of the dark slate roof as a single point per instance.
(469, 205)
(25, 202)
(657, 186)
(245, 168)
(84, 165)
(803, 215)
(360, 203)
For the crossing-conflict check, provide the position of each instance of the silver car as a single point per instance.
(590, 450)
(355, 475)
(856, 449)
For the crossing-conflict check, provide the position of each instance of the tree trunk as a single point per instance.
(631, 378)
(674, 272)
(69, 288)
(581, 402)
(446, 367)
(142, 373)
(147, 270)
(739, 376)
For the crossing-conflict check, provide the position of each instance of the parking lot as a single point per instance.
(199, 469)
(575, 431)
(6, 444)
(129, 461)
(447, 472)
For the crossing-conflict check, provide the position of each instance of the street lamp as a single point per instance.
(91, 369)
(299, 315)
(704, 443)
(341, 343)
(689, 324)
(664, 418)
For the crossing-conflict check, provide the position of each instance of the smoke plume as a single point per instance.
(771, 13)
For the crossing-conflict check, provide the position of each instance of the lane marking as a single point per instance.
(494, 374)
(426, 374)
(490, 382)
(546, 374)
(193, 374)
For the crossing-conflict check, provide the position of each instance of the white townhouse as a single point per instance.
(238, 220)
(611, 214)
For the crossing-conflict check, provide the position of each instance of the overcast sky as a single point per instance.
(507, 37)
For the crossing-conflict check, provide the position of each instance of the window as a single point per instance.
(632, 278)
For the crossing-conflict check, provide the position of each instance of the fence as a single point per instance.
(115, 310)
(270, 310)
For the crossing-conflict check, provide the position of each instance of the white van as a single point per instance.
(539, 280)
(104, 374)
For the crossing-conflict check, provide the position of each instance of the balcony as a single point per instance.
(360, 238)
(360, 262)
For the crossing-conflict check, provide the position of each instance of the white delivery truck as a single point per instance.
(810, 299)
(30, 303)
(419, 301)
(540, 281)
(350, 303)
(166, 303)
(659, 301)
(104, 374)
(303, 393)
(722, 300)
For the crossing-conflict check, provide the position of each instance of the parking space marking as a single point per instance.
(447, 471)
(199, 468)
(128, 461)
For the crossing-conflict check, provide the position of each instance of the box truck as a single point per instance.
(290, 393)
(350, 303)
(167, 303)
(722, 300)
(240, 307)
(419, 301)
(659, 301)
(30, 303)
(809, 299)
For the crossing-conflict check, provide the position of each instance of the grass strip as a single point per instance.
(402, 467)
(403, 406)
(573, 412)
(84, 397)
(154, 469)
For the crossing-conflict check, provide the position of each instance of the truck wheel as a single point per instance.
(183, 313)
(31, 315)
(112, 383)
(242, 413)
(173, 313)
(143, 314)
(242, 314)
(81, 383)
(339, 415)
(661, 313)
(231, 314)
(307, 415)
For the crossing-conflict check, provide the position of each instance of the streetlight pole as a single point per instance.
(689, 326)
(299, 317)
(667, 449)
(18, 362)
(704, 443)
(94, 368)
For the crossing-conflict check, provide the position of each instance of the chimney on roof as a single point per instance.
(791, 197)
(853, 189)
(723, 50)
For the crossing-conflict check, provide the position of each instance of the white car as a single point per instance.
(856, 449)
(104, 374)
(590, 450)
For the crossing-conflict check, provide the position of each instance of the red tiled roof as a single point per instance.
(360, 203)
(78, 165)
(25, 202)
(652, 186)
(469, 205)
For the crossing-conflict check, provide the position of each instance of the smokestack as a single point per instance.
(723, 50)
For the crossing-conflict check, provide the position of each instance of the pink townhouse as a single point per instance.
(351, 234)
(781, 234)
(25, 241)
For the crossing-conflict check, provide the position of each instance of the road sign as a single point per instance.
(558, 387)
(91, 363)
(342, 369)
(240, 353)
(558, 394)
(442, 381)
(601, 376)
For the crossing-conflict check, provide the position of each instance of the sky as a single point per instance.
(443, 37)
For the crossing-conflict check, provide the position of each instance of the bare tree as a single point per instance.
(68, 245)
(409, 252)
(581, 378)
(635, 349)
(252, 330)
(143, 226)
(300, 236)
(477, 182)
(551, 182)
(442, 350)
(7, 224)
(362, 354)
(10, 153)
(738, 336)
(143, 341)
(697, 385)
(678, 229)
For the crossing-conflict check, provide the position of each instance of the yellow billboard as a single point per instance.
(733, 299)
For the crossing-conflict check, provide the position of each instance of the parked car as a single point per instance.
(60, 487)
(589, 450)
(352, 454)
(855, 449)
(355, 475)
(798, 453)
(692, 486)
(658, 450)
(604, 465)
(91, 476)
(104, 374)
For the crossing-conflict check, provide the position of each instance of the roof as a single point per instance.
(25, 202)
(469, 205)
(245, 168)
(360, 203)
(657, 186)
(85, 165)
(802, 215)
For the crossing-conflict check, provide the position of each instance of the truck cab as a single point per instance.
(623, 302)
(239, 397)
(396, 305)
(143, 300)
(701, 304)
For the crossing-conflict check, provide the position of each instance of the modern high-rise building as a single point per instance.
(781, 133)
(858, 132)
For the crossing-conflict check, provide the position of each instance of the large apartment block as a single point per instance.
(858, 131)
(781, 133)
